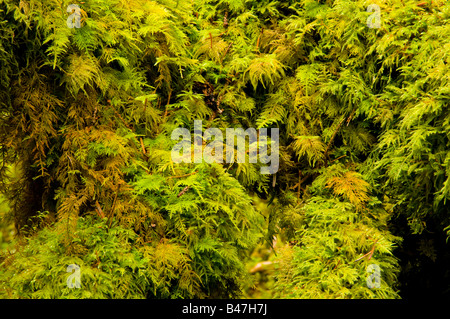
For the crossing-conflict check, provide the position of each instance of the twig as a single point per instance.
(71, 163)
(143, 147)
(370, 253)
(300, 181)
(337, 264)
(99, 209)
(350, 117)
(259, 38)
(184, 191)
(336, 159)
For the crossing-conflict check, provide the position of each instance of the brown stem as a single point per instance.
(99, 209)
(350, 117)
(338, 158)
(259, 38)
(370, 253)
(143, 147)
(184, 191)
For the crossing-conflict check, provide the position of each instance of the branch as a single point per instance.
(336, 159)
(143, 147)
(184, 191)
(99, 209)
(259, 38)
(370, 253)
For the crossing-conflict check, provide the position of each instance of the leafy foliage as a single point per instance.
(86, 116)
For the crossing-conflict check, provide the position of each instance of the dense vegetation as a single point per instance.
(87, 178)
